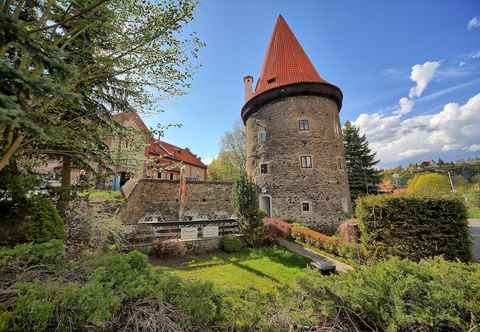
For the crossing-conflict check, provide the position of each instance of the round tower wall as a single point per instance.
(274, 137)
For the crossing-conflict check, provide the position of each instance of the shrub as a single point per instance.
(231, 243)
(331, 244)
(276, 229)
(250, 217)
(34, 220)
(429, 184)
(26, 255)
(414, 227)
(400, 295)
(169, 248)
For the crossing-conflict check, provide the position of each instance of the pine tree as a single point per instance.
(363, 178)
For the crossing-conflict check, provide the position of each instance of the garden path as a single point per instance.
(475, 230)
(316, 258)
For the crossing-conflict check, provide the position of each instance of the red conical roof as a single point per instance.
(285, 61)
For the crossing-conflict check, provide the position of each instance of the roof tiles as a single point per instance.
(285, 61)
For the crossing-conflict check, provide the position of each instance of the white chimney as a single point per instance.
(248, 82)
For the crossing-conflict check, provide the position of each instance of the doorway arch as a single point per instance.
(265, 203)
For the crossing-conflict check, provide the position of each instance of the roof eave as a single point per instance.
(323, 89)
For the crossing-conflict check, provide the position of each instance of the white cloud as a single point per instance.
(474, 23)
(455, 127)
(422, 75)
(474, 55)
(207, 160)
(472, 148)
(405, 106)
(462, 63)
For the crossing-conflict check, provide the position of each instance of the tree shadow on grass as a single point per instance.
(234, 260)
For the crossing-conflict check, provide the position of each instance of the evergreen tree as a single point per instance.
(363, 178)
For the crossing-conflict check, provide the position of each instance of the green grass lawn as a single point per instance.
(474, 213)
(263, 269)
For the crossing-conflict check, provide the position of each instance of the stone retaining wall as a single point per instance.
(205, 200)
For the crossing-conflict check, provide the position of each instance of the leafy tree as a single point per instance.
(363, 178)
(68, 65)
(230, 163)
(250, 217)
(223, 168)
(429, 184)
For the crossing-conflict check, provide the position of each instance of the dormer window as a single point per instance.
(303, 125)
(262, 136)
(271, 80)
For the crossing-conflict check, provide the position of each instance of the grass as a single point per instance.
(264, 269)
(474, 213)
(107, 195)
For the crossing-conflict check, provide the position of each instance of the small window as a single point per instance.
(262, 136)
(306, 161)
(303, 125)
(339, 163)
(264, 168)
(271, 80)
(171, 176)
(305, 207)
(159, 175)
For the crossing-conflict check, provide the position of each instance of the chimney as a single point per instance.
(248, 81)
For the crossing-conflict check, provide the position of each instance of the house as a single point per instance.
(141, 155)
(169, 159)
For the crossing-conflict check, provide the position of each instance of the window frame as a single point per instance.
(306, 158)
(303, 122)
(309, 205)
(266, 167)
(262, 136)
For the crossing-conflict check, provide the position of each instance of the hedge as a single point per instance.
(331, 244)
(414, 227)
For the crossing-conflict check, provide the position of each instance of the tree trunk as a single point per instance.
(66, 185)
(10, 151)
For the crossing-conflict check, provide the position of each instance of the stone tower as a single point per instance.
(293, 137)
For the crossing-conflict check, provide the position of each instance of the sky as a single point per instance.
(409, 71)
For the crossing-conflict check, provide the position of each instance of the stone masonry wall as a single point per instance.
(205, 200)
(325, 185)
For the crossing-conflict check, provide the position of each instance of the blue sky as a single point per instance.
(368, 49)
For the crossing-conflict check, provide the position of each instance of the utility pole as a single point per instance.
(451, 182)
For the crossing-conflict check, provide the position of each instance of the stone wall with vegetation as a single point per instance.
(205, 200)
(324, 185)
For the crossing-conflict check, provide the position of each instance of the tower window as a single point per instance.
(306, 207)
(171, 176)
(339, 163)
(306, 161)
(303, 125)
(262, 136)
(264, 168)
(271, 80)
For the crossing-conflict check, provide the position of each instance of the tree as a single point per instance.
(250, 217)
(363, 178)
(429, 184)
(68, 65)
(230, 163)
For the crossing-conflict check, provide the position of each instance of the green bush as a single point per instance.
(429, 184)
(26, 255)
(414, 227)
(400, 295)
(231, 243)
(34, 220)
